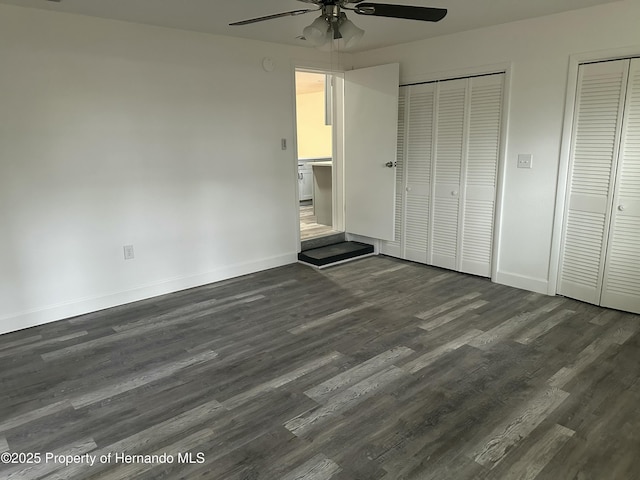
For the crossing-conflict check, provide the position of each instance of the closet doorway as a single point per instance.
(449, 150)
(600, 248)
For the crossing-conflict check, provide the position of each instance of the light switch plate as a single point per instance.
(525, 160)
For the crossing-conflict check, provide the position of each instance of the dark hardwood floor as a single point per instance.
(375, 369)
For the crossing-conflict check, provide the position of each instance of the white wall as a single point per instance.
(539, 52)
(113, 134)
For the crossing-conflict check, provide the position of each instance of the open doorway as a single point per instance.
(318, 179)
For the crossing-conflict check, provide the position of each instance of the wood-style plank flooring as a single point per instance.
(309, 227)
(375, 369)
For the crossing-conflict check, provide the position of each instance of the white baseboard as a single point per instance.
(52, 313)
(538, 285)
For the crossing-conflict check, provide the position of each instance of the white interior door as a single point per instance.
(370, 141)
(594, 152)
(396, 247)
(621, 283)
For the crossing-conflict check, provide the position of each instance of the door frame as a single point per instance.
(337, 171)
(562, 192)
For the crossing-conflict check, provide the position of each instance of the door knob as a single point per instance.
(454, 193)
(389, 165)
(621, 208)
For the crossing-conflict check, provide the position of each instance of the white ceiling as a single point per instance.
(213, 16)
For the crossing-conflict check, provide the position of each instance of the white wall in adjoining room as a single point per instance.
(538, 51)
(113, 134)
(314, 137)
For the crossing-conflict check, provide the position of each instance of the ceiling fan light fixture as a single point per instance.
(351, 34)
(316, 33)
(329, 42)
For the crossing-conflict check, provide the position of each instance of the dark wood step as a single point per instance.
(336, 253)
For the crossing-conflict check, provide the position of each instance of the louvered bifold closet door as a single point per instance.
(621, 286)
(480, 174)
(419, 131)
(594, 152)
(395, 247)
(448, 154)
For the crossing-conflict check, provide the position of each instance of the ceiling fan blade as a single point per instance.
(270, 17)
(426, 14)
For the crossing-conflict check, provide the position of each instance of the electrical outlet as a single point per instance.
(525, 160)
(128, 252)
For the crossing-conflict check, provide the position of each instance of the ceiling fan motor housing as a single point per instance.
(331, 13)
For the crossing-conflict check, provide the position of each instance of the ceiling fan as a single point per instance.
(333, 24)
